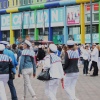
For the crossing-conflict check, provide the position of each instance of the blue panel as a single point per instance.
(65, 33)
(50, 37)
(3, 11)
(51, 4)
(67, 2)
(0, 30)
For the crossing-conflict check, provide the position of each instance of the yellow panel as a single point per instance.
(83, 1)
(82, 20)
(11, 31)
(12, 10)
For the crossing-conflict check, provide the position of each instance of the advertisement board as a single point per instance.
(73, 15)
(95, 38)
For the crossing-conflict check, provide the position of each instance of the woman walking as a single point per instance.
(27, 68)
(53, 62)
(71, 70)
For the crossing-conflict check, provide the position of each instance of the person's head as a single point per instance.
(28, 38)
(27, 44)
(70, 44)
(52, 48)
(14, 46)
(59, 48)
(65, 48)
(2, 47)
(40, 47)
(94, 45)
(86, 47)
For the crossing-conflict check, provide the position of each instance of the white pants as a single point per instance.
(3, 81)
(51, 88)
(69, 85)
(27, 73)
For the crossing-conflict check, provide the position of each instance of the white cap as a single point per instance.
(40, 46)
(28, 43)
(53, 47)
(2, 47)
(94, 44)
(70, 42)
(5, 43)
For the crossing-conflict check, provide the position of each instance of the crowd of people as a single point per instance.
(62, 60)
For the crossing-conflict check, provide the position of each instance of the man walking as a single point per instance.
(14, 61)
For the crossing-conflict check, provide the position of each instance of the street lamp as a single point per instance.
(91, 21)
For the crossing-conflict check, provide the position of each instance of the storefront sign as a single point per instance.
(42, 18)
(57, 17)
(5, 22)
(87, 38)
(28, 20)
(16, 20)
(73, 15)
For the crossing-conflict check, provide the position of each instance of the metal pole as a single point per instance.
(91, 21)
(43, 23)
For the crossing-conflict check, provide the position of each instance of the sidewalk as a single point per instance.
(88, 88)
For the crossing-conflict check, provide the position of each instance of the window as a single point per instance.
(96, 17)
(8, 4)
(13, 2)
(23, 2)
(5, 3)
(94, 29)
(0, 4)
(88, 17)
(16, 2)
(29, 1)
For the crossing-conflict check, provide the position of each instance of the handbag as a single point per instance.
(44, 74)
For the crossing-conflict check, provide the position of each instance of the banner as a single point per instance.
(73, 15)
(95, 38)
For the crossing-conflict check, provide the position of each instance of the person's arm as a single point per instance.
(34, 66)
(46, 62)
(66, 62)
(21, 64)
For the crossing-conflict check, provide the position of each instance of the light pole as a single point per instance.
(91, 21)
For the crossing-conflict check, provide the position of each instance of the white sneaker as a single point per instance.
(35, 98)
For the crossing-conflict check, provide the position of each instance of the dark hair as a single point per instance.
(21, 47)
(14, 46)
(51, 51)
(70, 46)
(59, 48)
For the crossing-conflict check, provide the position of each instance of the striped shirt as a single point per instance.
(72, 54)
(54, 58)
(4, 58)
(28, 52)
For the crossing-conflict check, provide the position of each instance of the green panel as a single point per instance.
(37, 6)
(99, 22)
(96, 0)
(55, 39)
(23, 8)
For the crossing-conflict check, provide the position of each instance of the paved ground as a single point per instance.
(88, 88)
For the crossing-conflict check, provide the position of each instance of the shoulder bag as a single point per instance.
(44, 74)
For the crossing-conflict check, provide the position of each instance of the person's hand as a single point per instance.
(62, 80)
(34, 75)
(18, 75)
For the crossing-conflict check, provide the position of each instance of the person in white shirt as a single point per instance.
(86, 58)
(94, 58)
(53, 62)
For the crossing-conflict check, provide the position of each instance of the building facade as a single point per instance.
(53, 20)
